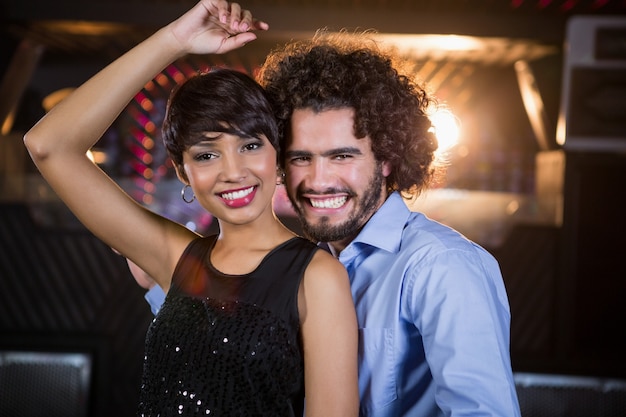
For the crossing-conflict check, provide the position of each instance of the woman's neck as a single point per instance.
(240, 248)
(255, 235)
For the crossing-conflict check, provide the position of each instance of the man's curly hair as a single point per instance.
(333, 71)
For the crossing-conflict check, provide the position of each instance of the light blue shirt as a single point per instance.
(434, 320)
(155, 297)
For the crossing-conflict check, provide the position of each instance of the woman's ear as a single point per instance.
(180, 173)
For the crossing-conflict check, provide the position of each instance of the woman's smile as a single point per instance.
(238, 198)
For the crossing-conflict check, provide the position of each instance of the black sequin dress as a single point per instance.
(228, 345)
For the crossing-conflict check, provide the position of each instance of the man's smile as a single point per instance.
(329, 202)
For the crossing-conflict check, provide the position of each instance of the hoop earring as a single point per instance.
(182, 194)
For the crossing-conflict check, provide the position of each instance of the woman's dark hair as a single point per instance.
(334, 71)
(220, 100)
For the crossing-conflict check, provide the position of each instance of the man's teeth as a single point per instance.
(237, 194)
(334, 202)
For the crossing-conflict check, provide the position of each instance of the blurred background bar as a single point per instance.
(532, 127)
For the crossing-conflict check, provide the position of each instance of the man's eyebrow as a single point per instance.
(297, 154)
(351, 150)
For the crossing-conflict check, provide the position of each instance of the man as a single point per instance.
(432, 308)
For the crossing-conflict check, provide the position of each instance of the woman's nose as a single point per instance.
(233, 168)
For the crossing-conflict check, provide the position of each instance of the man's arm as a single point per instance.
(155, 295)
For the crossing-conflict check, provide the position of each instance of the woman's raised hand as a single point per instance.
(215, 27)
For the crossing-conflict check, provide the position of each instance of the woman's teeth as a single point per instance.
(237, 194)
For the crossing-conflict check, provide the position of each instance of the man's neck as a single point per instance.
(337, 246)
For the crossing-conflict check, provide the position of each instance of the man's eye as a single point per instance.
(300, 160)
(342, 157)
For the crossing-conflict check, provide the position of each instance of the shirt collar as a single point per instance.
(384, 229)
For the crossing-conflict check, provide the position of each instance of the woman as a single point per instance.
(255, 318)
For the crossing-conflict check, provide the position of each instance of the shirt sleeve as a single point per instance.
(458, 302)
(155, 297)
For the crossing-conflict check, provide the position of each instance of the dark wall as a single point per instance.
(7, 48)
(567, 284)
(61, 289)
(593, 261)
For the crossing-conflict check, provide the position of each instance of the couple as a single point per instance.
(257, 319)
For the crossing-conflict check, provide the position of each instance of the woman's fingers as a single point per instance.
(234, 18)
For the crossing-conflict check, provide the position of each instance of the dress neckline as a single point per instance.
(213, 269)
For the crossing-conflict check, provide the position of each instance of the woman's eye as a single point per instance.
(204, 156)
(252, 146)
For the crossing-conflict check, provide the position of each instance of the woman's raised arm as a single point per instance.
(58, 143)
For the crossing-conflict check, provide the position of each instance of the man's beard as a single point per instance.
(369, 202)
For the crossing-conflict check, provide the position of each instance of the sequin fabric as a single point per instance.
(225, 345)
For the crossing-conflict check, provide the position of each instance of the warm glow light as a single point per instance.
(150, 127)
(446, 128)
(147, 199)
(179, 77)
(8, 124)
(55, 98)
(147, 142)
(561, 129)
(445, 47)
(512, 207)
(175, 73)
(149, 187)
(97, 157)
(147, 104)
(161, 79)
(432, 42)
(83, 27)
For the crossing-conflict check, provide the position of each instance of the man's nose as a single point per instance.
(320, 175)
